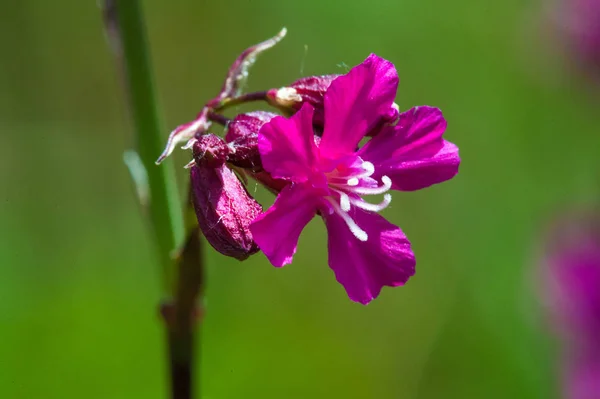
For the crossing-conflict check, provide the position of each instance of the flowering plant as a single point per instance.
(312, 159)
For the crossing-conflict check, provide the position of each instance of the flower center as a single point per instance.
(351, 184)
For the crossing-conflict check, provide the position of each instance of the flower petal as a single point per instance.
(582, 376)
(354, 104)
(276, 231)
(363, 268)
(413, 153)
(287, 147)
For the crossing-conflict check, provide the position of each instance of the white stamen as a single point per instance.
(387, 184)
(387, 198)
(344, 199)
(344, 202)
(369, 169)
(352, 182)
(354, 229)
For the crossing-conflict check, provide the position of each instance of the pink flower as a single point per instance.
(366, 252)
(582, 375)
(571, 274)
(576, 25)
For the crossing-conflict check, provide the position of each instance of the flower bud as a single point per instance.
(210, 151)
(242, 137)
(310, 89)
(223, 206)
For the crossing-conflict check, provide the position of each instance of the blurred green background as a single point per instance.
(78, 283)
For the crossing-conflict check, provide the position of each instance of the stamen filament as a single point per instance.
(344, 199)
(354, 229)
(369, 169)
(344, 202)
(359, 203)
(387, 184)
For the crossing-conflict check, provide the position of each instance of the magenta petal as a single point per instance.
(582, 377)
(354, 104)
(363, 268)
(413, 153)
(276, 231)
(287, 147)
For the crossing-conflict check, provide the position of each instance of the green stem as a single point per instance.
(181, 264)
(164, 205)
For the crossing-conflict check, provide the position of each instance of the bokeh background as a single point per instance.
(79, 286)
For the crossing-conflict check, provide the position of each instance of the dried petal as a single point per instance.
(185, 132)
(238, 72)
(236, 76)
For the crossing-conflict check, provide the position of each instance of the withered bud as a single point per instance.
(310, 89)
(223, 206)
(242, 137)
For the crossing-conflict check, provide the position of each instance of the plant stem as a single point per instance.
(186, 314)
(182, 274)
(244, 98)
(164, 205)
(218, 118)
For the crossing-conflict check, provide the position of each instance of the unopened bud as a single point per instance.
(210, 150)
(310, 89)
(223, 206)
(286, 97)
(242, 137)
